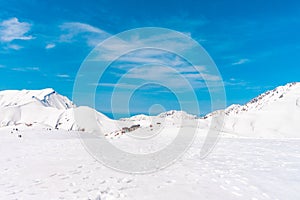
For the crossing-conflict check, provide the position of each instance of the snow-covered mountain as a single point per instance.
(39, 164)
(170, 114)
(46, 97)
(172, 118)
(46, 109)
(177, 115)
(280, 93)
(275, 113)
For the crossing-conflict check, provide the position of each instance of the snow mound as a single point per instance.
(85, 120)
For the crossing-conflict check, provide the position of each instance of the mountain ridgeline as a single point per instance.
(274, 113)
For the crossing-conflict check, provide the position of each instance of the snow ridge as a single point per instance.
(47, 97)
(274, 113)
(259, 102)
(264, 99)
(175, 114)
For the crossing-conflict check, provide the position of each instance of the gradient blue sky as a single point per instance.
(255, 44)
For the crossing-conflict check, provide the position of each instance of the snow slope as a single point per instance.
(173, 117)
(274, 113)
(46, 109)
(46, 97)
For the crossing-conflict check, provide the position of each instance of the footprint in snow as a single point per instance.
(236, 194)
(298, 102)
(124, 180)
(170, 181)
(76, 172)
(76, 191)
(223, 187)
(53, 175)
(11, 186)
(65, 177)
(265, 195)
(60, 175)
(72, 184)
(242, 181)
(236, 188)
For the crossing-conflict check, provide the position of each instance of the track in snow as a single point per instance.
(54, 165)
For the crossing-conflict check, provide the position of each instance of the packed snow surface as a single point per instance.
(54, 165)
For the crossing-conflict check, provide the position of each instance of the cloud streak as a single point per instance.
(91, 34)
(241, 61)
(50, 46)
(24, 69)
(12, 29)
(180, 79)
(63, 76)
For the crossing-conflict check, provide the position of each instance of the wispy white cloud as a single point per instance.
(63, 75)
(120, 85)
(50, 46)
(180, 79)
(91, 34)
(116, 46)
(12, 29)
(202, 76)
(33, 68)
(77, 27)
(191, 69)
(24, 69)
(241, 61)
(177, 78)
(2, 66)
(150, 58)
(235, 83)
(13, 46)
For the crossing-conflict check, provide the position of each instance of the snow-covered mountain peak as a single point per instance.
(137, 118)
(177, 114)
(278, 94)
(46, 97)
(282, 93)
(274, 113)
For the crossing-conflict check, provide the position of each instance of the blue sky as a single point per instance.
(255, 44)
